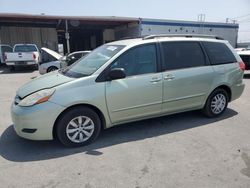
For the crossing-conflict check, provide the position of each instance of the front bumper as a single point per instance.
(42, 70)
(35, 122)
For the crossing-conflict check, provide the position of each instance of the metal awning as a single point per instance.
(43, 20)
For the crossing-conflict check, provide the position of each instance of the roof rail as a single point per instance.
(125, 38)
(182, 35)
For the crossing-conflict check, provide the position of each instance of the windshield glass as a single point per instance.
(25, 48)
(90, 63)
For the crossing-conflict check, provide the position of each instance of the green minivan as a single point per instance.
(126, 81)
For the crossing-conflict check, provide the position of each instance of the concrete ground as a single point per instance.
(183, 150)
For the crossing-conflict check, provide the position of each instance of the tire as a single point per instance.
(216, 103)
(12, 68)
(50, 69)
(35, 67)
(71, 134)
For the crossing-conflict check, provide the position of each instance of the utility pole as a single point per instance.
(201, 18)
(67, 36)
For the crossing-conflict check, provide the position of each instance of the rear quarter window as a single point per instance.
(219, 53)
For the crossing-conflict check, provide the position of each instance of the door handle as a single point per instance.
(155, 79)
(169, 77)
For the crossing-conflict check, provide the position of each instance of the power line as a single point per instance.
(241, 16)
(244, 21)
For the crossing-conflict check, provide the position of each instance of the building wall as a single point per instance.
(226, 31)
(42, 37)
(127, 31)
(108, 35)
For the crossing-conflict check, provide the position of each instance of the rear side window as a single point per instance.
(179, 55)
(219, 53)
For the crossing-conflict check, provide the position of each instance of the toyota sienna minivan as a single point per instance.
(126, 81)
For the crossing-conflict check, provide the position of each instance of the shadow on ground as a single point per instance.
(17, 149)
(6, 70)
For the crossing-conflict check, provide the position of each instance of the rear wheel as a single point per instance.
(216, 103)
(50, 69)
(79, 126)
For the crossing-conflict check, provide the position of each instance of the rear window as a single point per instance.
(245, 58)
(178, 55)
(25, 48)
(219, 53)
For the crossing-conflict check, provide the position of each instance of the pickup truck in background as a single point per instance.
(22, 55)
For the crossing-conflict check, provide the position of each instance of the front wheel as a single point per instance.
(77, 127)
(216, 103)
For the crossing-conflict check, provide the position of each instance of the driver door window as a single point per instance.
(139, 60)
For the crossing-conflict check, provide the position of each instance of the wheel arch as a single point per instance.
(52, 66)
(227, 89)
(94, 108)
(224, 87)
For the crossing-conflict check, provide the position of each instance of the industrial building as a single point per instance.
(72, 33)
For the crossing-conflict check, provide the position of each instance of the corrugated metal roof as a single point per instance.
(57, 17)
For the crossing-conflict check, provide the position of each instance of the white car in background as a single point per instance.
(245, 56)
(61, 61)
(45, 67)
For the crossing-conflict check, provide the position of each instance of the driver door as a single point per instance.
(139, 94)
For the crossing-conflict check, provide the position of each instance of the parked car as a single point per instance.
(46, 65)
(242, 49)
(23, 55)
(126, 81)
(73, 57)
(4, 48)
(245, 56)
(239, 49)
(60, 61)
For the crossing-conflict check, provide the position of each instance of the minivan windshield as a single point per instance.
(90, 63)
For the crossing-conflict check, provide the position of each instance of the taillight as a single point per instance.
(242, 66)
(34, 56)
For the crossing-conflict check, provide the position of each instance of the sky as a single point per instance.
(215, 10)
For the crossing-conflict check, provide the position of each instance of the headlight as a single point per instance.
(37, 97)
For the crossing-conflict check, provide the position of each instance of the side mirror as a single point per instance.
(116, 73)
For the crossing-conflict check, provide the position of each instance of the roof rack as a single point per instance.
(125, 38)
(182, 35)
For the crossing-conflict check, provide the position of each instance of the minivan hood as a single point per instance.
(42, 82)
